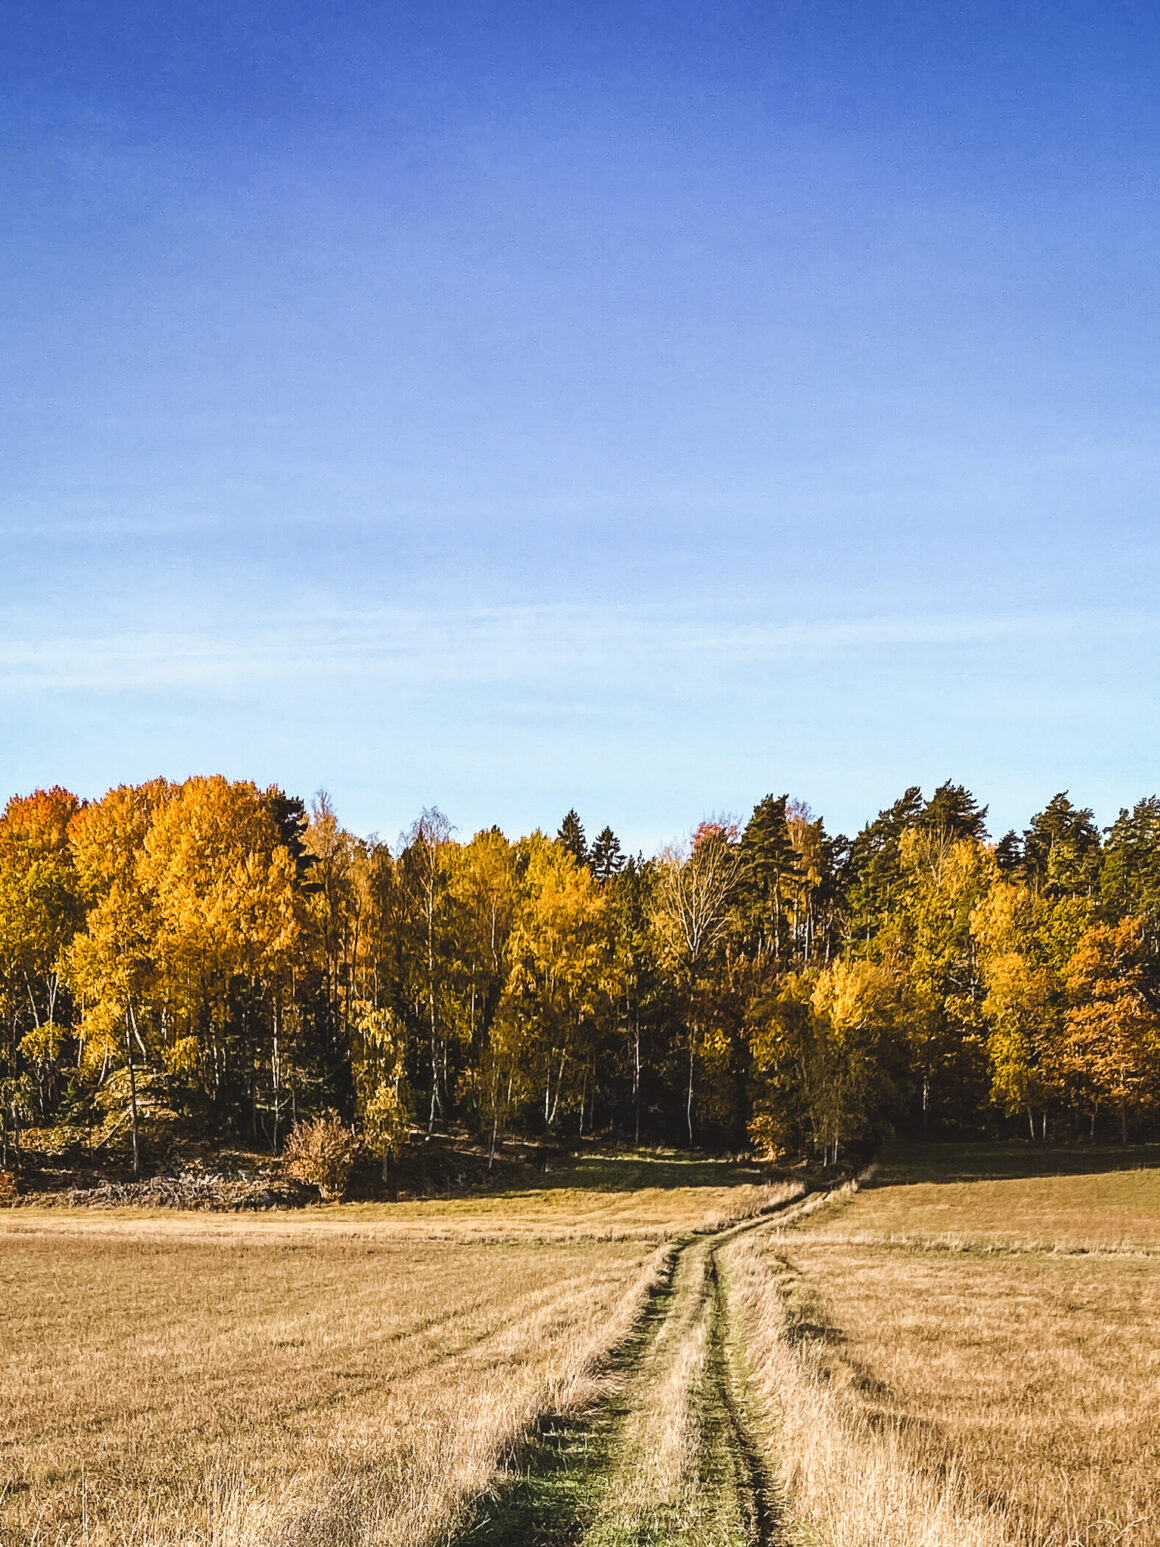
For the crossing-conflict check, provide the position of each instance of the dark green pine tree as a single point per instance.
(767, 862)
(606, 857)
(1061, 850)
(1130, 882)
(1009, 855)
(953, 813)
(290, 815)
(571, 835)
(873, 872)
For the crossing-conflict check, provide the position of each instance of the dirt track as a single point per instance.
(671, 1454)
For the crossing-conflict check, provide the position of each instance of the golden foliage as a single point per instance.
(379, 1062)
(1113, 1032)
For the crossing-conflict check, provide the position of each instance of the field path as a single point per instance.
(670, 1454)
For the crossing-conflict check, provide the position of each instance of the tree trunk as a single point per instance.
(276, 1075)
(636, 1080)
(132, 1094)
(689, 1099)
(436, 1100)
(559, 1087)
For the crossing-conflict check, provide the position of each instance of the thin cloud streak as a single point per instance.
(502, 645)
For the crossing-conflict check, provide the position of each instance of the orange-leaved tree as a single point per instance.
(111, 965)
(40, 910)
(229, 920)
(1113, 1032)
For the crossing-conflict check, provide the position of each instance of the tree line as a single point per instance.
(212, 959)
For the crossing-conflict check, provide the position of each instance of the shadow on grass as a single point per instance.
(630, 1172)
(1008, 1160)
(551, 1500)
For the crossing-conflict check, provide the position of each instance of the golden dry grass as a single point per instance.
(1093, 1210)
(343, 1376)
(999, 1391)
(646, 1197)
(1039, 1374)
(848, 1483)
(137, 1369)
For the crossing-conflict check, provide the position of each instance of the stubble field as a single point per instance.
(641, 1352)
(972, 1355)
(346, 1375)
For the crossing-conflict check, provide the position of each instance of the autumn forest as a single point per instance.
(216, 960)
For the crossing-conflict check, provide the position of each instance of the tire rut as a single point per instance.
(754, 1484)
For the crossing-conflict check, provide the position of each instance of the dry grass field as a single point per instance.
(331, 1377)
(972, 1357)
(988, 1196)
(965, 1353)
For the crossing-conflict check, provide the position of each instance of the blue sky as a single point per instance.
(640, 406)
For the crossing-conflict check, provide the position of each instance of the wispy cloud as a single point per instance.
(508, 644)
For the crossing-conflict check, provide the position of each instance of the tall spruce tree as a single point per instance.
(1009, 855)
(606, 858)
(571, 836)
(768, 865)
